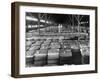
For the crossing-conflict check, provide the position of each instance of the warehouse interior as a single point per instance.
(57, 39)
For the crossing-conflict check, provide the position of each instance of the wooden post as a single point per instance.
(73, 23)
(45, 21)
(78, 24)
(78, 27)
(39, 16)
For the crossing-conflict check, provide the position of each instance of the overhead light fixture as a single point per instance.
(31, 18)
(35, 19)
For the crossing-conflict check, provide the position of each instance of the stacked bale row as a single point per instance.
(42, 52)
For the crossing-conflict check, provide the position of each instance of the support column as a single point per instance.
(45, 21)
(78, 27)
(78, 24)
(73, 23)
(39, 16)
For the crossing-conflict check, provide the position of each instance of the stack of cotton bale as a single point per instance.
(65, 56)
(53, 57)
(85, 54)
(76, 54)
(54, 45)
(29, 57)
(40, 57)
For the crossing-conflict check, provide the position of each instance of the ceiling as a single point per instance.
(60, 18)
